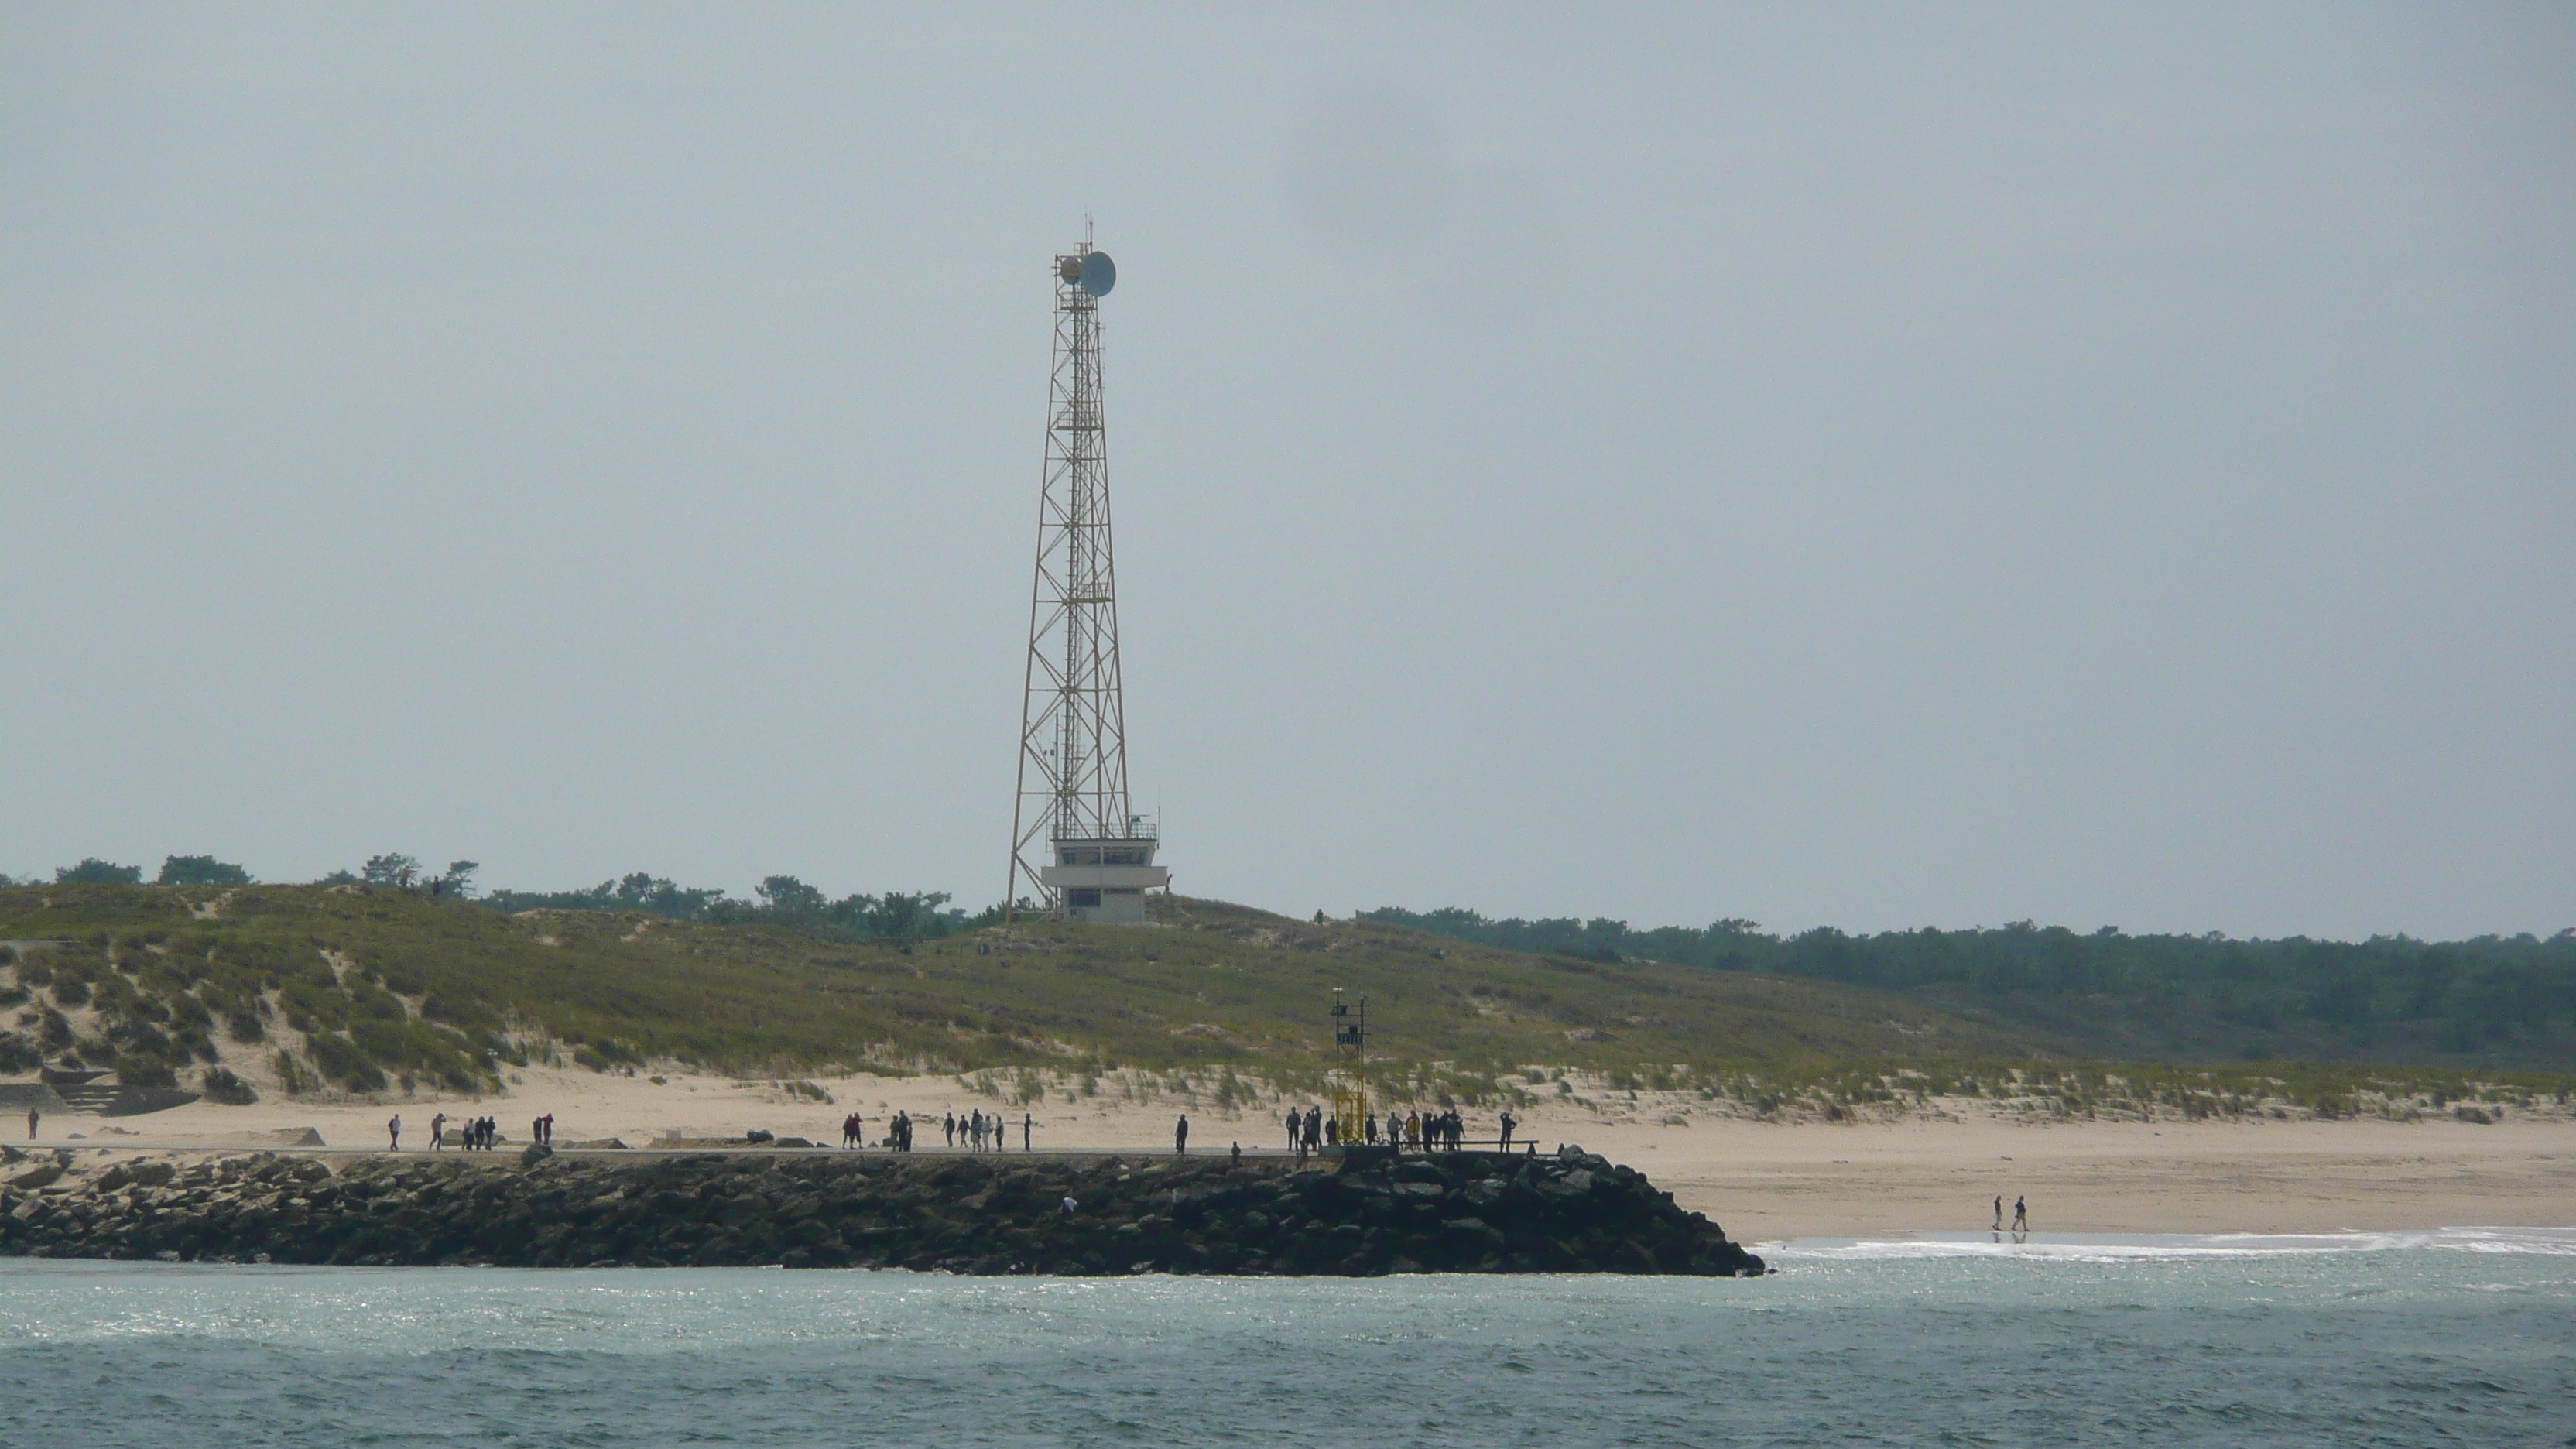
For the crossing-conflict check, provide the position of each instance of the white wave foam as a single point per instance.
(2100, 1247)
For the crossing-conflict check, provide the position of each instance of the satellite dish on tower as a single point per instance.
(1099, 274)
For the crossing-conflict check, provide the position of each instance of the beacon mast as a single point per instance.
(1075, 845)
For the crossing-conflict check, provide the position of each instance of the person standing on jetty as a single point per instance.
(1508, 1125)
(31, 1124)
(1296, 1127)
(1028, 1124)
(1181, 1136)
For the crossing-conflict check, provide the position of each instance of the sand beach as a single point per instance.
(1935, 1171)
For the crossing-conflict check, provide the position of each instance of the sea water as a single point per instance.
(2459, 1337)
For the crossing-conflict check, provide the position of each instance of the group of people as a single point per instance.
(2021, 1215)
(476, 1134)
(976, 1131)
(1312, 1131)
(985, 1134)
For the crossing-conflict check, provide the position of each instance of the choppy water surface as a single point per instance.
(2465, 1337)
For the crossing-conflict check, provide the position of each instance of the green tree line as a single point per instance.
(779, 900)
(2462, 995)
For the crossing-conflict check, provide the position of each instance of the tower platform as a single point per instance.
(1104, 879)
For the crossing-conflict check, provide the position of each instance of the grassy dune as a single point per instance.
(357, 987)
(345, 990)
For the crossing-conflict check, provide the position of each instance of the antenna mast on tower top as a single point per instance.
(1074, 842)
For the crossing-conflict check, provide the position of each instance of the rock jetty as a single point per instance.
(1367, 1214)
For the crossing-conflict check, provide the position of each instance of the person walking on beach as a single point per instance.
(1181, 1135)
(1999, 1212)
(2021, 1214)
(393, 1129)
(438, 1133)
(31, 1124)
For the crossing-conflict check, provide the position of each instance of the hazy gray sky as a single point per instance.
(2112, 465)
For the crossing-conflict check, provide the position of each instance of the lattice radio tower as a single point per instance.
(1075, 846)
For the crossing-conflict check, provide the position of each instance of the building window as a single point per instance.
(1090, 898)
